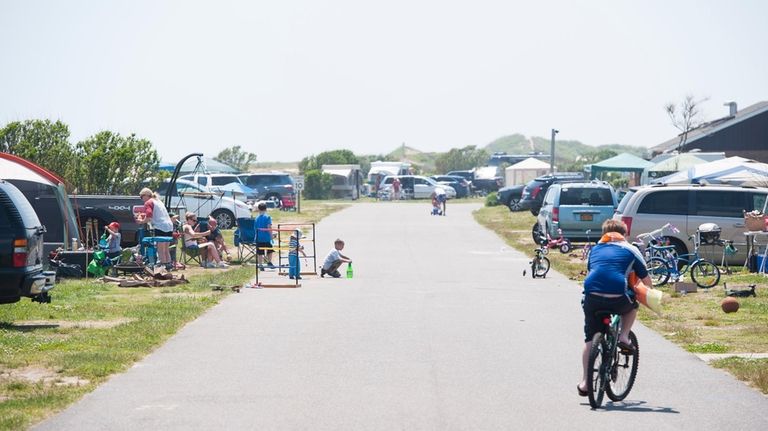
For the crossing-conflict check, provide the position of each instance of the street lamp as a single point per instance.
(552, 152)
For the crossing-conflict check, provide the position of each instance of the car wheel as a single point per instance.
(536, 233)
(273, 197)
(514, 204)
(224, 218)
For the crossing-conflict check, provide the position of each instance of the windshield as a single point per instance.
(224, 180)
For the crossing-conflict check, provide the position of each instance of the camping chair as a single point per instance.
(245, 239)
(191, 254)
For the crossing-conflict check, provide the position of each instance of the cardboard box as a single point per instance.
(682, 286)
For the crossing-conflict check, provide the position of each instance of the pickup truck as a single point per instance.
(187, 196)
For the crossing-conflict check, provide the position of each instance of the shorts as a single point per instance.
(591, 303)
(261, 246)
(159, 232)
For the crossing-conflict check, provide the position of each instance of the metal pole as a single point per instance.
(552, 152)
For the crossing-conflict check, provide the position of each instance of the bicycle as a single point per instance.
(612, 371)
(664, 264)
(540, 263)
(561, 243)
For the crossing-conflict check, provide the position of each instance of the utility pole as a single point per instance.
(552, 152)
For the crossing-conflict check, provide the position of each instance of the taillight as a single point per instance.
(19, 253)
(535, 192)
(555, 215)
(627, 221)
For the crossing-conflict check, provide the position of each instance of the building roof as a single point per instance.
(530, 163)
(711, 127)
(624, 162)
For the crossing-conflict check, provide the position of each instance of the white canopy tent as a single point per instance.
(524, 171)
(732, 170)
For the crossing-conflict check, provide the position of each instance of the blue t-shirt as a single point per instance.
(609, 266)
(263, 221)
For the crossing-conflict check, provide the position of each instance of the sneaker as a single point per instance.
(336, 274)
(261, 267)
(322, 272)
(222, 264)
(270, 265)
(210, 265)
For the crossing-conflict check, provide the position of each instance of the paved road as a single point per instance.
(437, 331)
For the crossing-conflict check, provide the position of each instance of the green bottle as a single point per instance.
(349, 270)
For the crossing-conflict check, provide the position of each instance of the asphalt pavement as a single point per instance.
(438, 330)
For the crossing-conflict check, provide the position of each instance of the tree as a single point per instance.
(685, 117)
(42, 142)
(235, 157)
(317, 185)
(335, 157)
(107, 163)
(461, 158)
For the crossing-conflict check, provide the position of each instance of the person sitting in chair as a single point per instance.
(193, 239)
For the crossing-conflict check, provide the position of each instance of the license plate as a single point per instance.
(585, 217)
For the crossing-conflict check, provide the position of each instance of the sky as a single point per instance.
(291, 78)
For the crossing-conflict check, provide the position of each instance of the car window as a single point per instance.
(586, 196)
(719, 203)
(757, 201)
(224, 180)
(665, 202)
(5, 218)
(421, 181)
(187, 188)
(202, 180)
(549, 198)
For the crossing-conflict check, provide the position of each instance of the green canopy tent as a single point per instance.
(624, 162)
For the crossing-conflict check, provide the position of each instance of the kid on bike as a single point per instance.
(607, 287)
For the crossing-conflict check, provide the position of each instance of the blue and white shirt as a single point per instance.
(609, 266)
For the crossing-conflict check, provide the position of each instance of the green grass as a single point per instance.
(693, 321)
(93, 330)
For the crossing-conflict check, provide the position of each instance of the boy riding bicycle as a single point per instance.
(607, 288)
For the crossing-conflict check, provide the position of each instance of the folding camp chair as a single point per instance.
(191, 255)
(245, 239)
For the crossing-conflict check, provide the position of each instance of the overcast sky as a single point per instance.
(286, 79)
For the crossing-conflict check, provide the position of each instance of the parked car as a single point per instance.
(460, 184)
(414, 186)
(511, 196)
(189, 196)
(480, 185)
(229, 183)
(574, 208)
(270, 186)
(687, 206)
(534, 191)
(21, 249)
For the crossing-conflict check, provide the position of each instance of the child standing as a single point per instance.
(113, 241)
(294, 248)
(334, 259)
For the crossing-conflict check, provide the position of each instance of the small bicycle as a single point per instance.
(561, 243)
(540, 263)
(612, 370)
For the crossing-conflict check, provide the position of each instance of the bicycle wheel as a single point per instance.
(596, 371)
(705, 274)
(540, 267)
(659, 271)
(623, 372)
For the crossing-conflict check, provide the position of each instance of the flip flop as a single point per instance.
(581, 393)
(627, 348)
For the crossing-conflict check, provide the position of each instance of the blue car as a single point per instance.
(575, 208)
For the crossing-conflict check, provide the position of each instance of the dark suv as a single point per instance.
(21, 249)
(534, 191)
(268, 186)
(479, 185)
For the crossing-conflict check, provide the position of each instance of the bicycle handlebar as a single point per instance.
(656, 233)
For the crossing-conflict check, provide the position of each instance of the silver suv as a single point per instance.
(270, 186)
(687, 206)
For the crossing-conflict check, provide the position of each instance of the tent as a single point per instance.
(208, 165)
(45, 191)
(525, 171)
(624, 162)
(732, 170)
(677, 162)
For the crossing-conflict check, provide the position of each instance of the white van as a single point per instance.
(189, 196)
(687, 206)
(414, 186)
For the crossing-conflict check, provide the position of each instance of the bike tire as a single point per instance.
(565, 247)
(540, 268)
(659, 271)
(705, 274)
(596, 371)
(623, 372)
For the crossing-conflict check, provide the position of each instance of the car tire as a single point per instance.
(536, 233)
(273, 196)
(224, 218)
(514, 204)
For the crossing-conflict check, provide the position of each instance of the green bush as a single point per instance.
(317, 185)
(491, 200)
